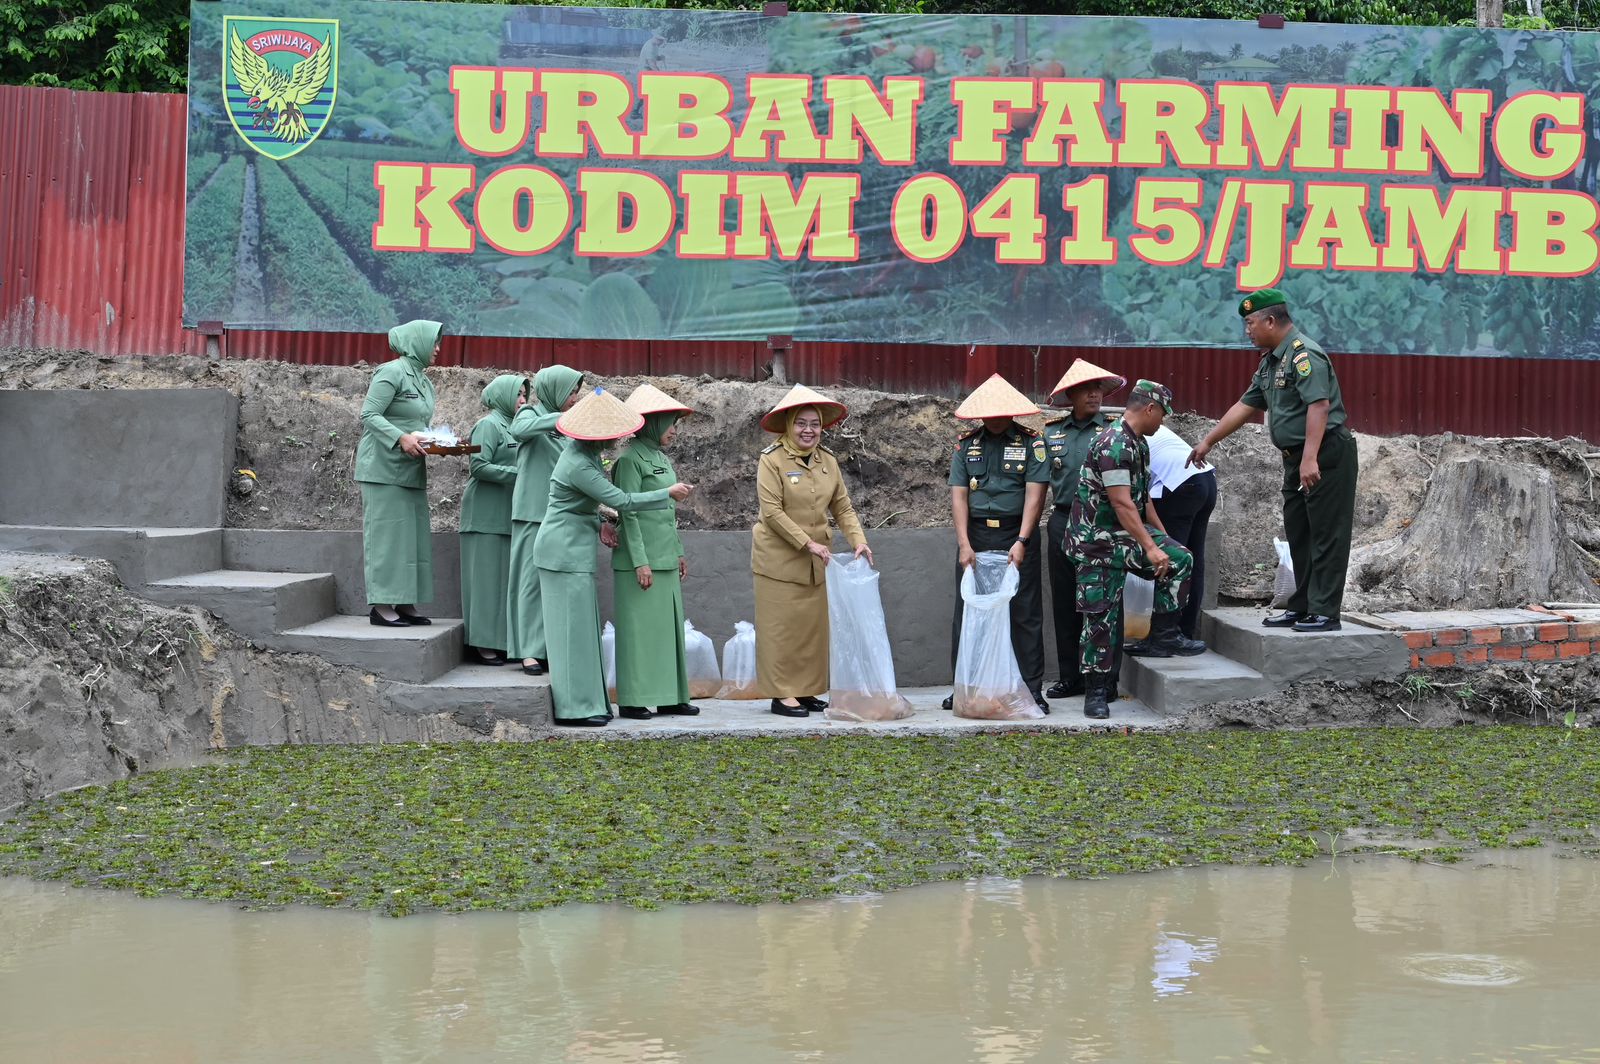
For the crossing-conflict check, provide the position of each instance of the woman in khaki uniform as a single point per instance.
(798, 483)
(396, 540)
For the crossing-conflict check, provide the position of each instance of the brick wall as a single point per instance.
(1557, 641)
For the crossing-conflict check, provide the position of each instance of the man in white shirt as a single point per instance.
(1184, 497)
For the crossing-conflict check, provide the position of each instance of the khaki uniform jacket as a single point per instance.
(796, 500)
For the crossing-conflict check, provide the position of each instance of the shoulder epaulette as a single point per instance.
(1025, 430)
(769, 448)
(830, 450)
(973, 431)
(1058, 419)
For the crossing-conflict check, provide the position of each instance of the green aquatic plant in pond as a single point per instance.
(648, 822)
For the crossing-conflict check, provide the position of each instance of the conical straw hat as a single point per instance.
(600, 416)
(1083, 371)
(996, 397)
(648, 399)
(832, 412)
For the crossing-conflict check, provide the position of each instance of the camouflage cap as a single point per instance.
(1267, 297)
(1155, 393)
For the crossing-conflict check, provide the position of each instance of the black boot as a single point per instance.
(1094, 696)
(1166, 641)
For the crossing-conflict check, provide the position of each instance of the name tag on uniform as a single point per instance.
(659, 472)
(794, 477)
(1014, 454)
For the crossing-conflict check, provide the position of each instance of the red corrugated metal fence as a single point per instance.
(91, 257)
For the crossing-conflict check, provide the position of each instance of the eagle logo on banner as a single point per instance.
(280, 78)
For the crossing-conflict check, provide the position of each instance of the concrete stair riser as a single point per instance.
(1175, 685)
(505, 691)
(411, 655)
(137, 555)
(256, 605)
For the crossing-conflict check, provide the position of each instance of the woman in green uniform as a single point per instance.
(798, 485)
(395, 536)
(650, 567)
(486, 521)
(567, 549)
(555, 389)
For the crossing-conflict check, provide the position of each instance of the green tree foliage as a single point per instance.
(128, 46)
(142, 45)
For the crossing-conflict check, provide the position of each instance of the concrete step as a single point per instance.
(470, 689)
(140, 555)
(1284, 656)
(1175, 685)
(414, 654)
(254, 604)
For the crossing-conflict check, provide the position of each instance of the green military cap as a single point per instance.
(1156, 393)
(1267, 297)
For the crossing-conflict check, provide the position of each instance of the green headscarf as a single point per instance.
(500, 396)
(554, 385)
(415, 341)
(656, 426)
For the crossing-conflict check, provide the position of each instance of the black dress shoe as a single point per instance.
(414, 618)
(583, 722)
(635, 712)
(1316, 622)
(788, 711)
(949, 703)
(682, 709)
(1063, 689)
(383, 622)
(477, 658)
(1039, 698)
(534, 670)
(1286, 619)
(815, 705)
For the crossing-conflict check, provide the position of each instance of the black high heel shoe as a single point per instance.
(383, 622)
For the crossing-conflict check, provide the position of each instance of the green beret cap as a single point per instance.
(1156, 393)
(1267, 297)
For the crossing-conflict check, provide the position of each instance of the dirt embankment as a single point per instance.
(1509, 520)
(97, 684)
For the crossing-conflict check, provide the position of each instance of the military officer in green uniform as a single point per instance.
(998, 474)
(1115, 531)
(555, 389)
(396, 538)
(1296, 386)
(1067, 437)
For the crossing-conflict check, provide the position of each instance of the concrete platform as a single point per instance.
(413, 655)
(1283, 656)
(1176, 685)
(254, 604)
(1434, 620)
(724, 718)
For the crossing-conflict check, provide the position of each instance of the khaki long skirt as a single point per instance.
(525, 636)
(397, 544)
(791, 638)
(485, 575)
(572, 627)
(650, 662)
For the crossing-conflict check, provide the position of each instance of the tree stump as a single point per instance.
(1488, 534)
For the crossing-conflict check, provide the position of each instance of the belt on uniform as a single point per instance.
(996, 522)
(1293, 453)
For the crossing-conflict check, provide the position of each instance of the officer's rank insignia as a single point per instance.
(1298, 344)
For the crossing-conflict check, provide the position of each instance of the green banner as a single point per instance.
(653, 174)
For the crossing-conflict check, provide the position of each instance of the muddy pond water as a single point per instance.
(1357, 959)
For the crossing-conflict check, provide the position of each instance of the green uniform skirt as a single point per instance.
(572, 625)
(485, 575)
(650, 664)
(397, 544)
(524, 610)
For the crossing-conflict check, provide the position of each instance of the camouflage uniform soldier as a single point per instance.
(1113, 532)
